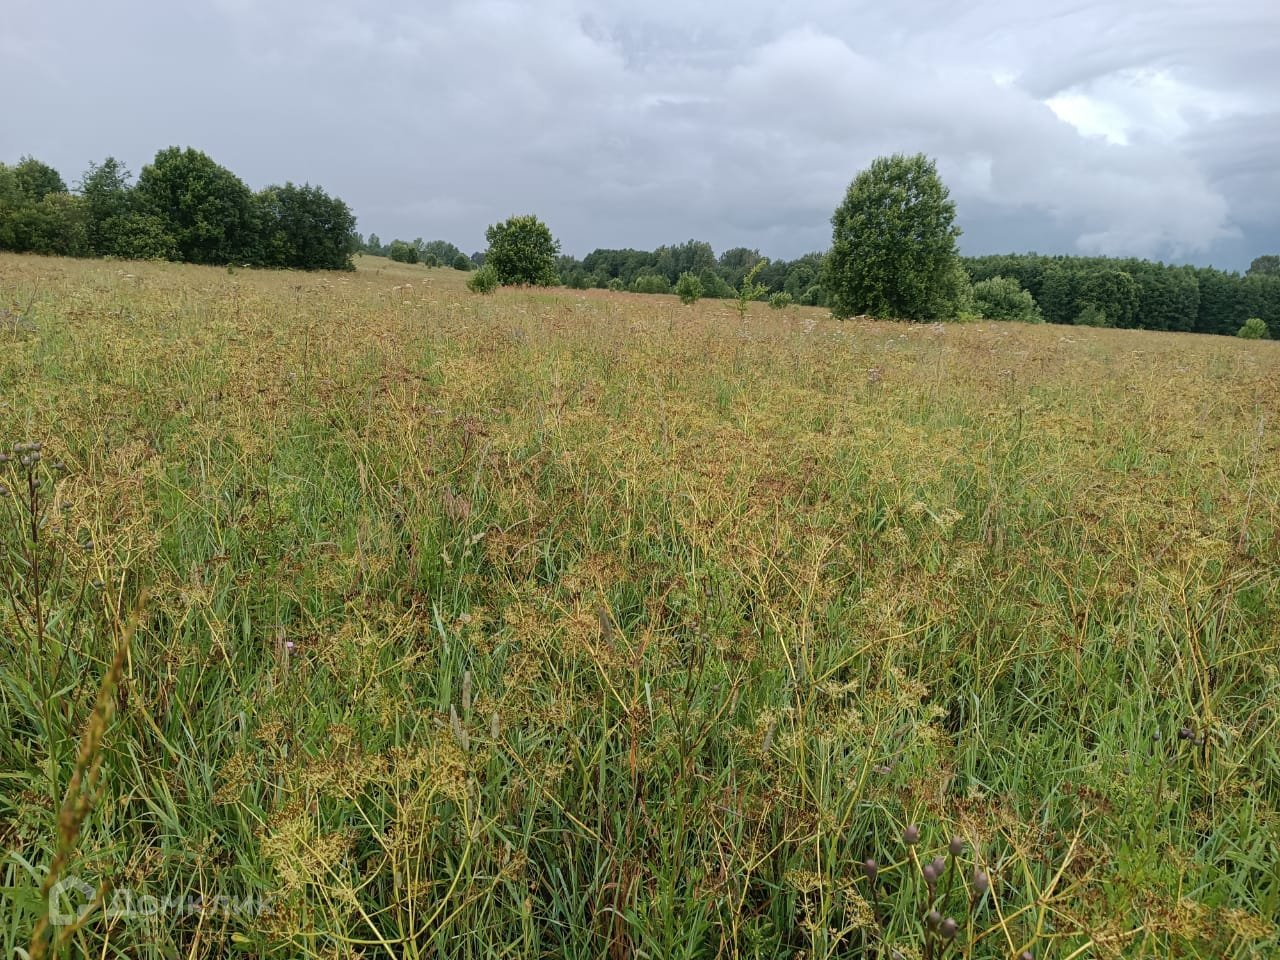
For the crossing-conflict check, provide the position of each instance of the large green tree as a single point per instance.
(522, 251)
(893, 245)
(303, 228)
(206, 208)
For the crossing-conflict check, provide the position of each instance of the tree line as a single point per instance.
(183, 206)
(893, 254)
(1141, 294)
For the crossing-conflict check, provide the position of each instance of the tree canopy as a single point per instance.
(893, 245)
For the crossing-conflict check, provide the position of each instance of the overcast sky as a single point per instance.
(1129, 127)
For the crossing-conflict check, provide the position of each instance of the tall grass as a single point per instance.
(589, 624)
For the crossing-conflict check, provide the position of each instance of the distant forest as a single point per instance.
(186, 207)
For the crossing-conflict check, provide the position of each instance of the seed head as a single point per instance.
(956, 847)
(911, 835)
(939, 865)
(981, 882)
(871, 868)
(933, 919)
(1185, 733)
(948, 928)
(930, 874)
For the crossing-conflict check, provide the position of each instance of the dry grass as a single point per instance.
(582, 624)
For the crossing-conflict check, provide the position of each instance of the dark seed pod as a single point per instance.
(871, 869)
(1185, 733)
(930, 874)
(981, 882)
(948, 928)
(911, 835)
(956, 847)
(1026, 955)
(939, 866)
(933, 919)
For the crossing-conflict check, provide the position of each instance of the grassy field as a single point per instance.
(583, 624)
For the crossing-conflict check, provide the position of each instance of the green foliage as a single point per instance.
(484, 280)
(1002, 298)
(650, 283)
(522, 251)
(780, 300)
(617, 285)
(893, 251)
(37, 180)
(206, 208)
(750, 289)
(1255, 328)
(1267, 265)
(689, 288)
(402, 251)
(1092, 315)
(303, 228)
(462, 262)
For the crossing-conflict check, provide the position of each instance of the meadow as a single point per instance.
(585, 624)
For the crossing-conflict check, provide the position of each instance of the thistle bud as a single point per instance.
(1185, 733)
(948, 928)
(933, 919)
(939, 866)
(930, 874)
(981, 882)
(911, 835)
(871, 869)
(956, 847)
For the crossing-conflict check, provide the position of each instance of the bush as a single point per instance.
(1092, 315)
(402, 252)
(689, 287)
(522, 251)
(650, 283)
(484, 280)
(462, 262)
(1255, 328)
(893, 246)
(1002, 298)
(780, 300)
(616, 284)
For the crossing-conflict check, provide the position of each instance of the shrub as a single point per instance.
(484, 280)
(462, 262)
(1002, 298)
(1092, 315)
(689, 287)
(616, 284)
(650, 283)
(1255, 328)
(522, 251)
(402, 252)
(780, 300)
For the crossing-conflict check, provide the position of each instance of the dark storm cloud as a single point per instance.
(1139, 127)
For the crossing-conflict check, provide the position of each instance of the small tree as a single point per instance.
(303, 228)
(1255, 328)
(780, 300)
(1092, 315)
(689, 287)
(462, 262)
(893, 246)
(484, 280)
(750, 289)
(401, 251)
(522, 251)
(1002, 298)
